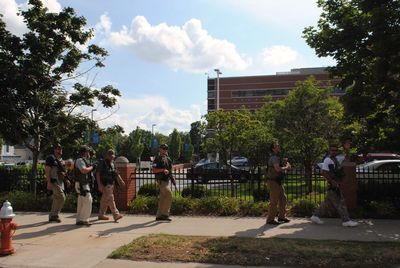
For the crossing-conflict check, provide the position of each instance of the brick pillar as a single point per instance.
(349, 184)
(124, 195)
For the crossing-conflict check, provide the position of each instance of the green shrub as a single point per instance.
(261, 194)
(70, 204)
(217, 205)
(199, 191)
(381, 210)
(182, 205)
(303, 208)
(250, 208)
(149, 189)
(143, 205)
(25, 201)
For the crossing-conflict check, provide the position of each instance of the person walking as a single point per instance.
(107, 176)
(83, 178)
(56, 176)
(274, 177)
(332, 172)
(162, 168)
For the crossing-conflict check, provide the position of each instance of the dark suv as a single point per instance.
(214, 171)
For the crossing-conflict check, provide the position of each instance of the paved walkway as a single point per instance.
(42, 244)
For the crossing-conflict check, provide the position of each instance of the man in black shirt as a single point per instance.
(106, 177)
(162, 168)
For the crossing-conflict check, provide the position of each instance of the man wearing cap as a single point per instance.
(83, 178)
(106, 177)
(162, 168)
(55, 175)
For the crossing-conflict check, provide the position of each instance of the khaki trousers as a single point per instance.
(334, 201)
(107, 200)
(84, 208)
(164, 204)
(58, 201)
(277, 200)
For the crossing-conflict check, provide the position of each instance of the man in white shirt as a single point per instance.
(333, 173)
(83, 178)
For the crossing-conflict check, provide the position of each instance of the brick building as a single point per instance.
(250, 91)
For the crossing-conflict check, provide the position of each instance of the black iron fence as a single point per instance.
(248, 187)
(373, 185)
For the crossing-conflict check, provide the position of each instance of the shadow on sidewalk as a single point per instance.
(128, 228)
(55, 228)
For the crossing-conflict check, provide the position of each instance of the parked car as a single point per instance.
(202, 162)
(240, 161)
(214, 171)
(378, 180)
(379, 169)
(380, 156)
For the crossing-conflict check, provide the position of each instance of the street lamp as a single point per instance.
(93, 110)
(218, 73)
(152, 129)
(91, 124)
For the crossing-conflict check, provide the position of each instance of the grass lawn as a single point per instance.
(260, 251)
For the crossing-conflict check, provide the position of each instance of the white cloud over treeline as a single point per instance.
(188, 47)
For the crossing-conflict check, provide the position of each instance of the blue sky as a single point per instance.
(160, 51)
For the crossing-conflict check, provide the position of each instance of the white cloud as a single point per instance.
(289, 14)
(146, 111)
(279, 55)
(104, 25)
(188, 47)
(53, 5)
(15, 23)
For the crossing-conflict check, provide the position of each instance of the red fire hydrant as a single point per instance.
(7, 229)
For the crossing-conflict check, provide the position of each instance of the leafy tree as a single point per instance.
(256, 139)
(107, 140)
(226, 132)
(136, 146)
(34, 102)
(197, 134)
(175, 145)
(187, 148)
(304, 122)
(363, 36)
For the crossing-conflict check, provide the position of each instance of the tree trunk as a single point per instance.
(35, 157)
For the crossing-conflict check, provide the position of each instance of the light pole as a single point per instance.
(93, 110)
(152, 129)
(218, 73)
(91, 124)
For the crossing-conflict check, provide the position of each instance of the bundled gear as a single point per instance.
(83, 182)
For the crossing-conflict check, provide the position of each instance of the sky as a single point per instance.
(161, 52)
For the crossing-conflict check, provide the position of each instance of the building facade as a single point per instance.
(250, 91)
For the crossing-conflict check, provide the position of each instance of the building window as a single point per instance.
(211, 104)
(260, 92)
(7, 148)
(211, 94)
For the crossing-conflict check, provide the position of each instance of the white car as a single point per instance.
(379, 169)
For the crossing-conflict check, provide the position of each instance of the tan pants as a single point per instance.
(107, 200)
(84, 208)
(58, 201)
(164, 204)
(333, 201)
(277, 200)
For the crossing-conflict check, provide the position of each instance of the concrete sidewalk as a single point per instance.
(42, 244)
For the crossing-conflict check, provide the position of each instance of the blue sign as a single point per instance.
(95, 138)
(185, 147)
(154, 143)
